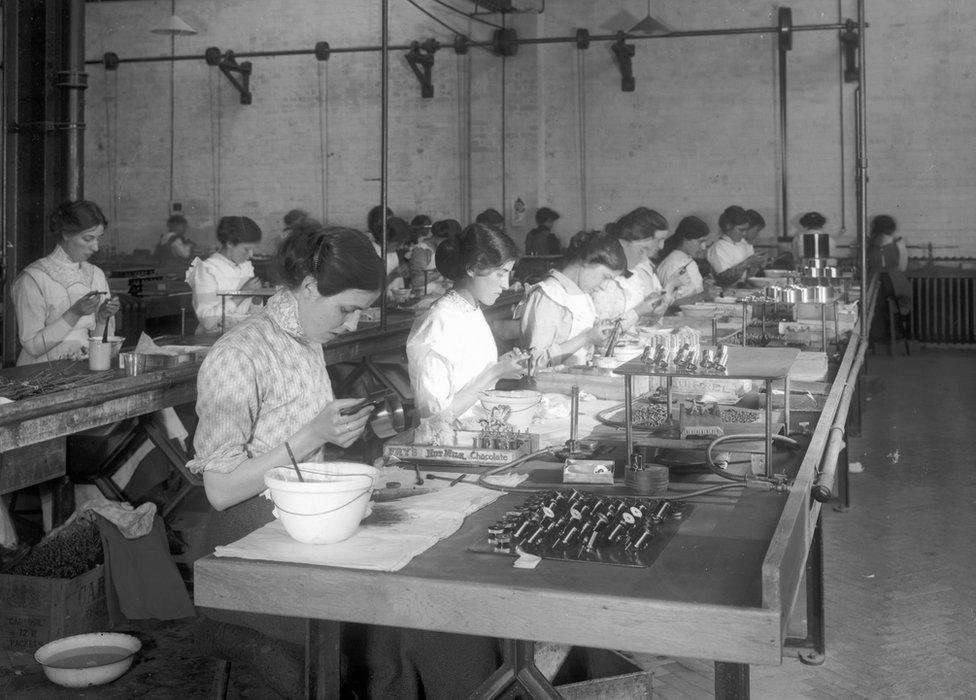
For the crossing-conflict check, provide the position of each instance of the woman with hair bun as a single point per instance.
(728, 256)
(559, 323)
(679, 265)
(640, 233)
(451, 351)
(227, 270)
(263, 391)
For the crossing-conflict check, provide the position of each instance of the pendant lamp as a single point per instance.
(174, 26)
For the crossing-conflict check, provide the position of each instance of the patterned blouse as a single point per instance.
(262, 381)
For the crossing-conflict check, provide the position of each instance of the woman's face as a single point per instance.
(323, 317)
(639, 251)
(239, 253)
(692, 246)
(486, 286)
(592, 276)
(736, 232)
(81, 246)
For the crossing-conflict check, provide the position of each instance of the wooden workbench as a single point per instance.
(722, 589)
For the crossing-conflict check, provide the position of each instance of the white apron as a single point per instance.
(583, 312)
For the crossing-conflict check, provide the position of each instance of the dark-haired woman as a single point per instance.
(265, 385)
(62, 299)
(679, 269)
(559, 323)
(728, 256)
(640, 233)
(227, 270)
(451, 351)
(424, 278)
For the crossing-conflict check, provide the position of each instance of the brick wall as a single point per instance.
(549, 126)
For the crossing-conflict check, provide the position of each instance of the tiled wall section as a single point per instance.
(700, 132)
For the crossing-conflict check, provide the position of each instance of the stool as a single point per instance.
(896, 324)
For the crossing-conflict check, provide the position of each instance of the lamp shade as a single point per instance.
(650, 27)
(175, 27)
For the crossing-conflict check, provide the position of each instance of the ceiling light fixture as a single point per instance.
(175, 27)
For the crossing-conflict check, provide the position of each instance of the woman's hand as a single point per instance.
(85, 306)
(107, 310)
(252, 285)
(329, 426)
(512, 365)
(599, 332)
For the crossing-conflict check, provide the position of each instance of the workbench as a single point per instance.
(723, 588)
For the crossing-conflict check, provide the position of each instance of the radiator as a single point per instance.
(944, 307)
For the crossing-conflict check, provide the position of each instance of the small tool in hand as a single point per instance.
(454, 481)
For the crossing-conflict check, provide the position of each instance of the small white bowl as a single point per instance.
(698, 311)
(518, 399)
(85, 660)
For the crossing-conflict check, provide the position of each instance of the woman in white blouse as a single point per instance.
(227, 270)
(640, 233)
(559, 323)
(728, 256)
(62, 299)
(451, 351)
(679, 267)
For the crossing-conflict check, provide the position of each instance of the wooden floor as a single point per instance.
(900, 568)
(900, 565)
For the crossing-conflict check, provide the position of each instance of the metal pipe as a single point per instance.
(490, 44)
(783, 154)
(384, 147)
(862, 164)
(74, 81)
(835, 443)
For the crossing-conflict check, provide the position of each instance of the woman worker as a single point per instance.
(640, 233)
(263, 388)
(424, 278)
(227, 270)
(59, 298)
(728, 256)
(679, 266)
(451, 352)
(559, 323)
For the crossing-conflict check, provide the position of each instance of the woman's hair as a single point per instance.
(812, 219)
(596, 248)
(294, 217)
(544, 215)
(234, 230)
(420, 221)
(732, 217)
(445, 228)
(491, 217)
(637, 225)
(71, 218)
(689, 228)
(374, 221)
(755, 219)
(337, 258)
(882, 224)
(478, 247)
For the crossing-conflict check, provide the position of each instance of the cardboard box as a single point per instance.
(35, 610)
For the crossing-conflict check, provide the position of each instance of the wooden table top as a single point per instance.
(744, 363)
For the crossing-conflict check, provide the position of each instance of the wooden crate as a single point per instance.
(35, 610)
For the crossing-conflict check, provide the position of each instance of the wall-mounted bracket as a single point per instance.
(420, 58)
(785, 33)
(850, 43)
(239, 74)
(623, 53)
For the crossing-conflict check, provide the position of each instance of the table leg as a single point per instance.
(628, 415)
(322, 659)
(786, 404)
(768, 466)
(518, 669)
(816, 624)
(731, 681)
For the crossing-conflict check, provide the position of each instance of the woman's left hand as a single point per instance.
(107, 310)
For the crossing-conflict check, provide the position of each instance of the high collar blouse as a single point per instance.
(41, 294)
(448, 347)
(260, 383)
(617, 297)
(207, 278)
(670, 269)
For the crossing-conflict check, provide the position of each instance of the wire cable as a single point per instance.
(462, 12)
(443, 24)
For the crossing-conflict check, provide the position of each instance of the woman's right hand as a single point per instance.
(85, 306)
(329, 426)
(512, 365)
(252, 285)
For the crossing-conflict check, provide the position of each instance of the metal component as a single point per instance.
(239, 74)
(784, 45)
(420, 58)
(623, 56)
(582, 39)
(614, 337)
(504, 42)
(322, 51)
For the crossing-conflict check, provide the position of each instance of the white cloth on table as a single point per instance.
(41, 294)
(394, 534)
(557, 310)
(724, 253)
(617, 297)
(207, 278)
(260, 383)
(672, 266)
(448, 346)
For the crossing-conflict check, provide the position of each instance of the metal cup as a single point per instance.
(133, 363)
